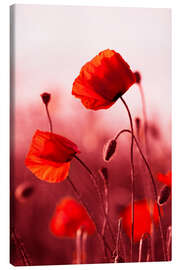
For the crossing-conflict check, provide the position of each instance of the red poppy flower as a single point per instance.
(50, 155)
(165, 179)
(142, 219)
(103, 80)
(69, 216)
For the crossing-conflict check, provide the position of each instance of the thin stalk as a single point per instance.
(132, 175)
(49, 118)
(84, 241)
(144, 237)
(89, 212)
(168, 242)
(154, 188)
(94, 181)
(79, 246)
(144, 117)
(117, 242)
(106, 203)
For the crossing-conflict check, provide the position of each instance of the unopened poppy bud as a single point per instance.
(138, 124)
(104, 173)
(46, 98)
(24, 192)
(109, 150)
(137, 76)
(164, 195)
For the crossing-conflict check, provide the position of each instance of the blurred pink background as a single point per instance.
(51, 45)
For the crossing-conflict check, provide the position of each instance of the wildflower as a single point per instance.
(49, 156)
(142, 219)
(103, 80)
(69, 217)
(165, 179)
(109, 150)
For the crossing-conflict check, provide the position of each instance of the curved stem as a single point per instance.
(94, 181)
(49, 118)
(153, 184)
(89, 212)
(132, 176)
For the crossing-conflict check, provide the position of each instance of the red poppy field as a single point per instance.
(91, 167)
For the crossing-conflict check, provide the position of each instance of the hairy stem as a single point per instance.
(94, 181)
(154, 188)
(89, 212)
(132, 175)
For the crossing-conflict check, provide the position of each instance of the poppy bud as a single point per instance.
(104, 173)
(137, 76)
(109, 150)
(164, 195)
(46, 98)
(23, 192)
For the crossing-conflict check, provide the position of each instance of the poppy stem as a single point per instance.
(154, 188)
(49, 118)
(117, 242)
(144, 237)
(89, 212)
(84, 241)
(79, 246)
(94, 181)
(106, 204)
(144, 117)
(132, 175)
(168, 242)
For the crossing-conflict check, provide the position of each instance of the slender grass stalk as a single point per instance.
(145, 237)
(94, 181)
(79, 246)
(168, 242)
(117, 242)
(102, 238)
(84, 241)
(154, 188)
(132, 175)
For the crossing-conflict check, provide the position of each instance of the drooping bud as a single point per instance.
(164, 195)
(104, 173)
(109, 150)
(137, 76)
(138, 125)
(46, 98)
(23, 192)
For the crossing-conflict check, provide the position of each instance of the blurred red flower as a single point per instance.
(69, 216)
(142, 219)
(50, 155)
(165, 178)
(103, 80)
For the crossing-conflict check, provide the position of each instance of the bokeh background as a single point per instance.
(50, 45)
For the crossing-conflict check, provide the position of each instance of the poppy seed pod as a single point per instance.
(46, 98)
(103, 80)
(109, 150)
(164, 195)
